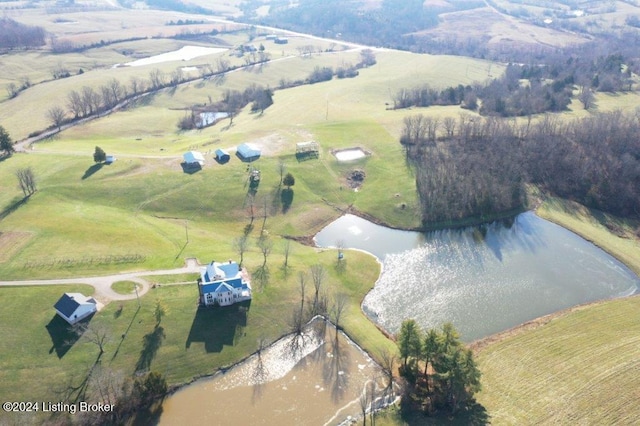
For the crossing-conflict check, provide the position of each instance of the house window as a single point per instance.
(209, 299)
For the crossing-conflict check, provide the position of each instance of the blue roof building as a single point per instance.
(222, 156)
(222, 284)
(247, 152)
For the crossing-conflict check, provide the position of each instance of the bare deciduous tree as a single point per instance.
(136, 84)
(241, 244)
(338, 306)
(286, 252)
(56, 114)
(318, 275)
(265, 245)
(97, 334)
(27, 181)
(156, 77)
(388, 365)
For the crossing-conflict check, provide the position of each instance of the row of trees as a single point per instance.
(478, 167)
(440, 371)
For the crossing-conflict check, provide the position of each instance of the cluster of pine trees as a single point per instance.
(440, 371)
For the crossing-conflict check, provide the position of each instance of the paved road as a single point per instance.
(102, 284)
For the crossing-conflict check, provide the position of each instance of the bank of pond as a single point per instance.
(483, 279)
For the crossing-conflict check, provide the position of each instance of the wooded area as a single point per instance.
(477, 168)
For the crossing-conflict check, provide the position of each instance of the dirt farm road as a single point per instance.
(102, 284)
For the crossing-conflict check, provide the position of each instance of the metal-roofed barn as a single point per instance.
(222, 156)
(247, 152)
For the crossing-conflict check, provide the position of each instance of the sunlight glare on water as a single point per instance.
(483, 279)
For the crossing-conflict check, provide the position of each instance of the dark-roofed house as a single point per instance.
(247, 152)
(222, 156)
(222, 284)
(74, 307)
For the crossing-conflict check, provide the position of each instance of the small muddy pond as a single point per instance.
(315, 380)
(483, 279)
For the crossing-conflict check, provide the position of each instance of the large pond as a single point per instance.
(483, 279)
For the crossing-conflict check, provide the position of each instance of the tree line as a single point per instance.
(530, 89)
(384, 25)
(14, 35)
(478, 167)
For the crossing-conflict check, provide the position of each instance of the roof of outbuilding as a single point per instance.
(66, 305)
(193, 157)
(248, 151)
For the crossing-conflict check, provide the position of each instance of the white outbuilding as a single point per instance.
(74, 307)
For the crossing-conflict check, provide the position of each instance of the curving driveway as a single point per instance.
(102, 284)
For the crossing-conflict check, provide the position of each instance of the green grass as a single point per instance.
(581, 368)
(124, 287)
(194, 343)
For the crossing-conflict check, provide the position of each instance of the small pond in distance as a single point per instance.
(483, 279)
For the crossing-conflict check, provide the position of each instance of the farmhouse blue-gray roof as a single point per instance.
(247, 152)
(66, 305)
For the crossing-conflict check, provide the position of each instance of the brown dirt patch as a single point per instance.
(272, 144)
(11, 242)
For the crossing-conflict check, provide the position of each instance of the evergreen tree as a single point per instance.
(99, 155)
(289, 180)
(6, 144)
(409, 341)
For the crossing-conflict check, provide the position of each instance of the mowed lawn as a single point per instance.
(41, 360)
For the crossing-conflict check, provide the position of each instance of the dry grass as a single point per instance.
(11, 242)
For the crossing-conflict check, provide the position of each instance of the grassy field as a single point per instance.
(191, 343)
(142, 212)
(581, 368)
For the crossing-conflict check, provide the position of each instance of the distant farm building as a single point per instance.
(222, 284)
(74, 307)
(222, 156)
(281, 40)
(110, 159)
(247, 152)
(305, 150)
(271, 37)
(193, 159)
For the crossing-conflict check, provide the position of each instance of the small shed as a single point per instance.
(110, 159)
(281, 40)
(309, 149)
(74, 307)
(193, 159)
(247, 152)
(222, 156)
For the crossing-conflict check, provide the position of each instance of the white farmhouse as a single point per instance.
(222, 284)
(74, 307)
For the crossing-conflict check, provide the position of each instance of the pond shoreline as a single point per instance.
(476, 345)
(484, 341)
